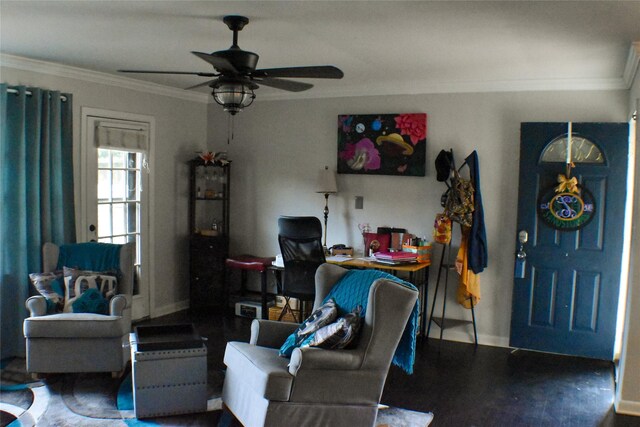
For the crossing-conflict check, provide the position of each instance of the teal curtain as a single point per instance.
(36, 178)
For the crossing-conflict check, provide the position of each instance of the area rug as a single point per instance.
(97, 400)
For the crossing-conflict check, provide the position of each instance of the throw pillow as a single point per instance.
(336, 335)
(324, 315)
(76, 282)
(50, 286)
(90, 301)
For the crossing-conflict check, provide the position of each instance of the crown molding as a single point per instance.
(424, 88)
(538, 85)
(59, 70)
(415, 88)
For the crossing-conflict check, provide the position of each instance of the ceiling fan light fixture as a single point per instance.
(235, 70)
(233, 96)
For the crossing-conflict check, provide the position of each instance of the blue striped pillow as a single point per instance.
(322, 316)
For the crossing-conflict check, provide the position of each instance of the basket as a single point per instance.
(424, 252)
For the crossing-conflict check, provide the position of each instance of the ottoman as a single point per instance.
(169, 371)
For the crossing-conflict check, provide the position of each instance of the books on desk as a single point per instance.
(395, 258)
(399, 256)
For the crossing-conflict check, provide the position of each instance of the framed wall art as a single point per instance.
(382, 144)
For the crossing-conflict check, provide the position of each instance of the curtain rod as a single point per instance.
(29, 93)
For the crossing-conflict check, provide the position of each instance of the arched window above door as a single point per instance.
(582, 151)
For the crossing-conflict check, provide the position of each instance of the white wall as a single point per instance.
(280, 146)
(180, 132)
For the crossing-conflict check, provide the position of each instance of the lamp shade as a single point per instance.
(326, 181)
(233, 96)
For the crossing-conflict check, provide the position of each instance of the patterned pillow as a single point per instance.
(77, 282)
(336, 335)
(50, 286)
(324, 315)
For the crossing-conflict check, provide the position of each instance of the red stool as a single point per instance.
(246, 263)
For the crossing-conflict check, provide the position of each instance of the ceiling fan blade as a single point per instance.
(169, 72)
(221, 64)
(207, 83)
(288, 85)
(313, 72)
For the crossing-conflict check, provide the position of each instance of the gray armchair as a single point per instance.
(80, 342)
(317, 387)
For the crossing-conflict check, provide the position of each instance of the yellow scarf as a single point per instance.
(469, 285)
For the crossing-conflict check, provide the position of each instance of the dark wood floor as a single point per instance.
(465, 386)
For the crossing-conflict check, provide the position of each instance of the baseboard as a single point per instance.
(467, 337)
(628, 407)
(170, 308)
(449, 335)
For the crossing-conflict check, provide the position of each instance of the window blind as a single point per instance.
(122, 136)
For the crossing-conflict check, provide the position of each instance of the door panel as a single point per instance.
(544, 291)
(567, 301)
(592, 238)
(586, 292)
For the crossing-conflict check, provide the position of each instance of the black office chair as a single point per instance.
(300, 240)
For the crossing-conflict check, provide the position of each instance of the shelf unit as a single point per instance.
(443, 322)
(209, 199)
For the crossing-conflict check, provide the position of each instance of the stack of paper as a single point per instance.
(395, 257)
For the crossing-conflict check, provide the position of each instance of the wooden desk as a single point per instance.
(418, 276)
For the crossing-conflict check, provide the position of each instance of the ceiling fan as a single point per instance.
(236, 74)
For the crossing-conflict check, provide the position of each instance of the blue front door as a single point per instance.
(565, 298)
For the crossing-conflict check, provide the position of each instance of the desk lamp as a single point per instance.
(326, 184)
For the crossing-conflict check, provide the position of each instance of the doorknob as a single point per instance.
(92, 229)
(521, 255)
(523, 236)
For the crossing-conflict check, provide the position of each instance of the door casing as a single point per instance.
(144, 303)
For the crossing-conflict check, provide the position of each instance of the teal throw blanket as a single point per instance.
(353, 290)
(90, 256)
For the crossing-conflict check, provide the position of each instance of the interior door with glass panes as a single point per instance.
(116, 199)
